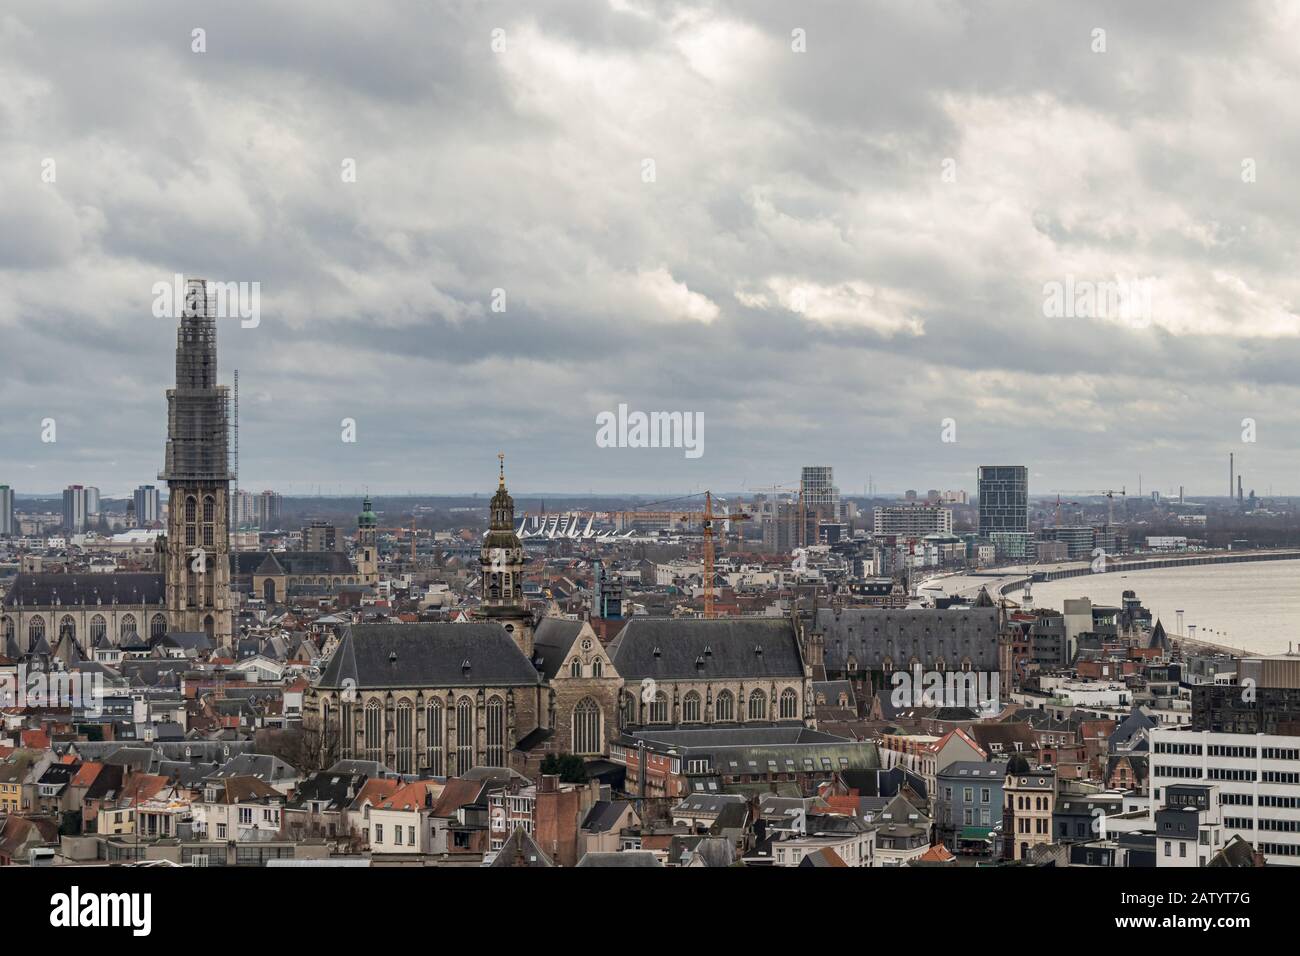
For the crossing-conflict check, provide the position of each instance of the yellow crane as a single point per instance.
(706, 517)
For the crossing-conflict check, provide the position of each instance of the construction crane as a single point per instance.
(405, 530)
(707, 517)
(1109, 494)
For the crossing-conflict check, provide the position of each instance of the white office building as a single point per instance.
(1258, 781)
(913, 521)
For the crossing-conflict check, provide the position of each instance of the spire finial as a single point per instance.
(501, 480)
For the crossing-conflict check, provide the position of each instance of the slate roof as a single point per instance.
(291, 562)
(625, 858)
(428, 655)
(604, 815)
(697, 649)
(872, 634)
(47, 590)
(697, 803)
(551, 641)
(335, 790)
(711, 851)
(264, 767)
(521, 850)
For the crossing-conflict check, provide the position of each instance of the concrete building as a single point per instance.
(75, 514)
(820, 496)
(148, 506)
(266, 509)
(1189, 826)
(7, 526)
(912, 520)
(1257, 777)
(321, 536)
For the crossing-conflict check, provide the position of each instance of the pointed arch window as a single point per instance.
(724, 708)
(374, 732)
(405, 733)
(758, 705)
(659, 709)
(586, 727)
(691, 708)
(789, 704)
(464, 735)
(496, 732)
(433, 737)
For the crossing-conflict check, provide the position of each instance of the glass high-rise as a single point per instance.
(7, 527)
(1004, 499)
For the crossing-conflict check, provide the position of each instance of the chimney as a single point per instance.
(550, 783)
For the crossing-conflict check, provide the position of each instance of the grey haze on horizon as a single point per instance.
(776, 173)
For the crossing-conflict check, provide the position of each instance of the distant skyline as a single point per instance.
(835, 251)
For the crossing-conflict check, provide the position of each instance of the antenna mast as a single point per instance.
(235, 469)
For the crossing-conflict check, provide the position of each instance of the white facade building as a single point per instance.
(1258, 781)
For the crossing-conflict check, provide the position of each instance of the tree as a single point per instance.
(570, 768)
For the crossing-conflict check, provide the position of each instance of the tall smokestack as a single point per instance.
(1231, 476)
(1240, 496)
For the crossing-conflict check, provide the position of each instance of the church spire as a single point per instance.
(502, 568)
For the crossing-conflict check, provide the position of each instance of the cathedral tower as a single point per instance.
(502, 568)
(197, 472)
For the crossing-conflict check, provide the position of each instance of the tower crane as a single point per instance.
(1109, 494)
(405, 530)
(706, 517)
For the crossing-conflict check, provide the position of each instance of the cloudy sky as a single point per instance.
(827, 227)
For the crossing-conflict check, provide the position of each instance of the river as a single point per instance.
(1255, 605)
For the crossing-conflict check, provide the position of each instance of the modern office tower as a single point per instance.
(820, 496)
(74, 509)
(321, 536)
(92, 505)
(1004, 499)
(1004, 508)
(197, 472)
(913, 520)
(7, 526)
(268, 511)
(148, 509)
